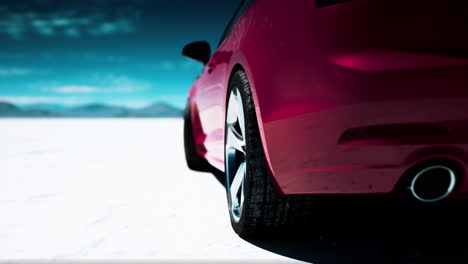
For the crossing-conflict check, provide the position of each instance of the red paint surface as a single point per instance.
(317, 72)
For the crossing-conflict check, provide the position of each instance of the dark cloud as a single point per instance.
(66, 18)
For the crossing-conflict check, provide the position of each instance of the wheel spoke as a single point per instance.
(237, 182)
(231, 117)
(234, 140)
(240, 112)
(235, 152)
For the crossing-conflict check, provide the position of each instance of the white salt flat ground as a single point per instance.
(110, 189)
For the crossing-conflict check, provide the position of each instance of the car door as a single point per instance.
(211, 96)
(210, 103)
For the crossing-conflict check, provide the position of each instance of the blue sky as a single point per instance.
(123, 52)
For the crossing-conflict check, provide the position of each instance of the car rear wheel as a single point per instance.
(255, 206)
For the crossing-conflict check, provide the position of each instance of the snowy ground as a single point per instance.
(114, 189)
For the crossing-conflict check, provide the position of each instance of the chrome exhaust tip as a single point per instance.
(433, 183)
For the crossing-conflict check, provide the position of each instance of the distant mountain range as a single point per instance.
(88, 111)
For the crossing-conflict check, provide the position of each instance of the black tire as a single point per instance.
(264, 209)
(194, 161)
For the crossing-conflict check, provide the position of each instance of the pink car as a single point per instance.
(326, 97)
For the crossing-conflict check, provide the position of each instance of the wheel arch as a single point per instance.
(244, 67)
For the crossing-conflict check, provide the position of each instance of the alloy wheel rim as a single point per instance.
(235, 150)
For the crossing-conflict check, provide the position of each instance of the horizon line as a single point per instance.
(68, 105)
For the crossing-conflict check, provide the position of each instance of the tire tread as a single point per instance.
(194, 161)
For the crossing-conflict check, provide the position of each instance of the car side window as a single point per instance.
(237, 14)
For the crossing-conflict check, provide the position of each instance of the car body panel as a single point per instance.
(318, 73)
